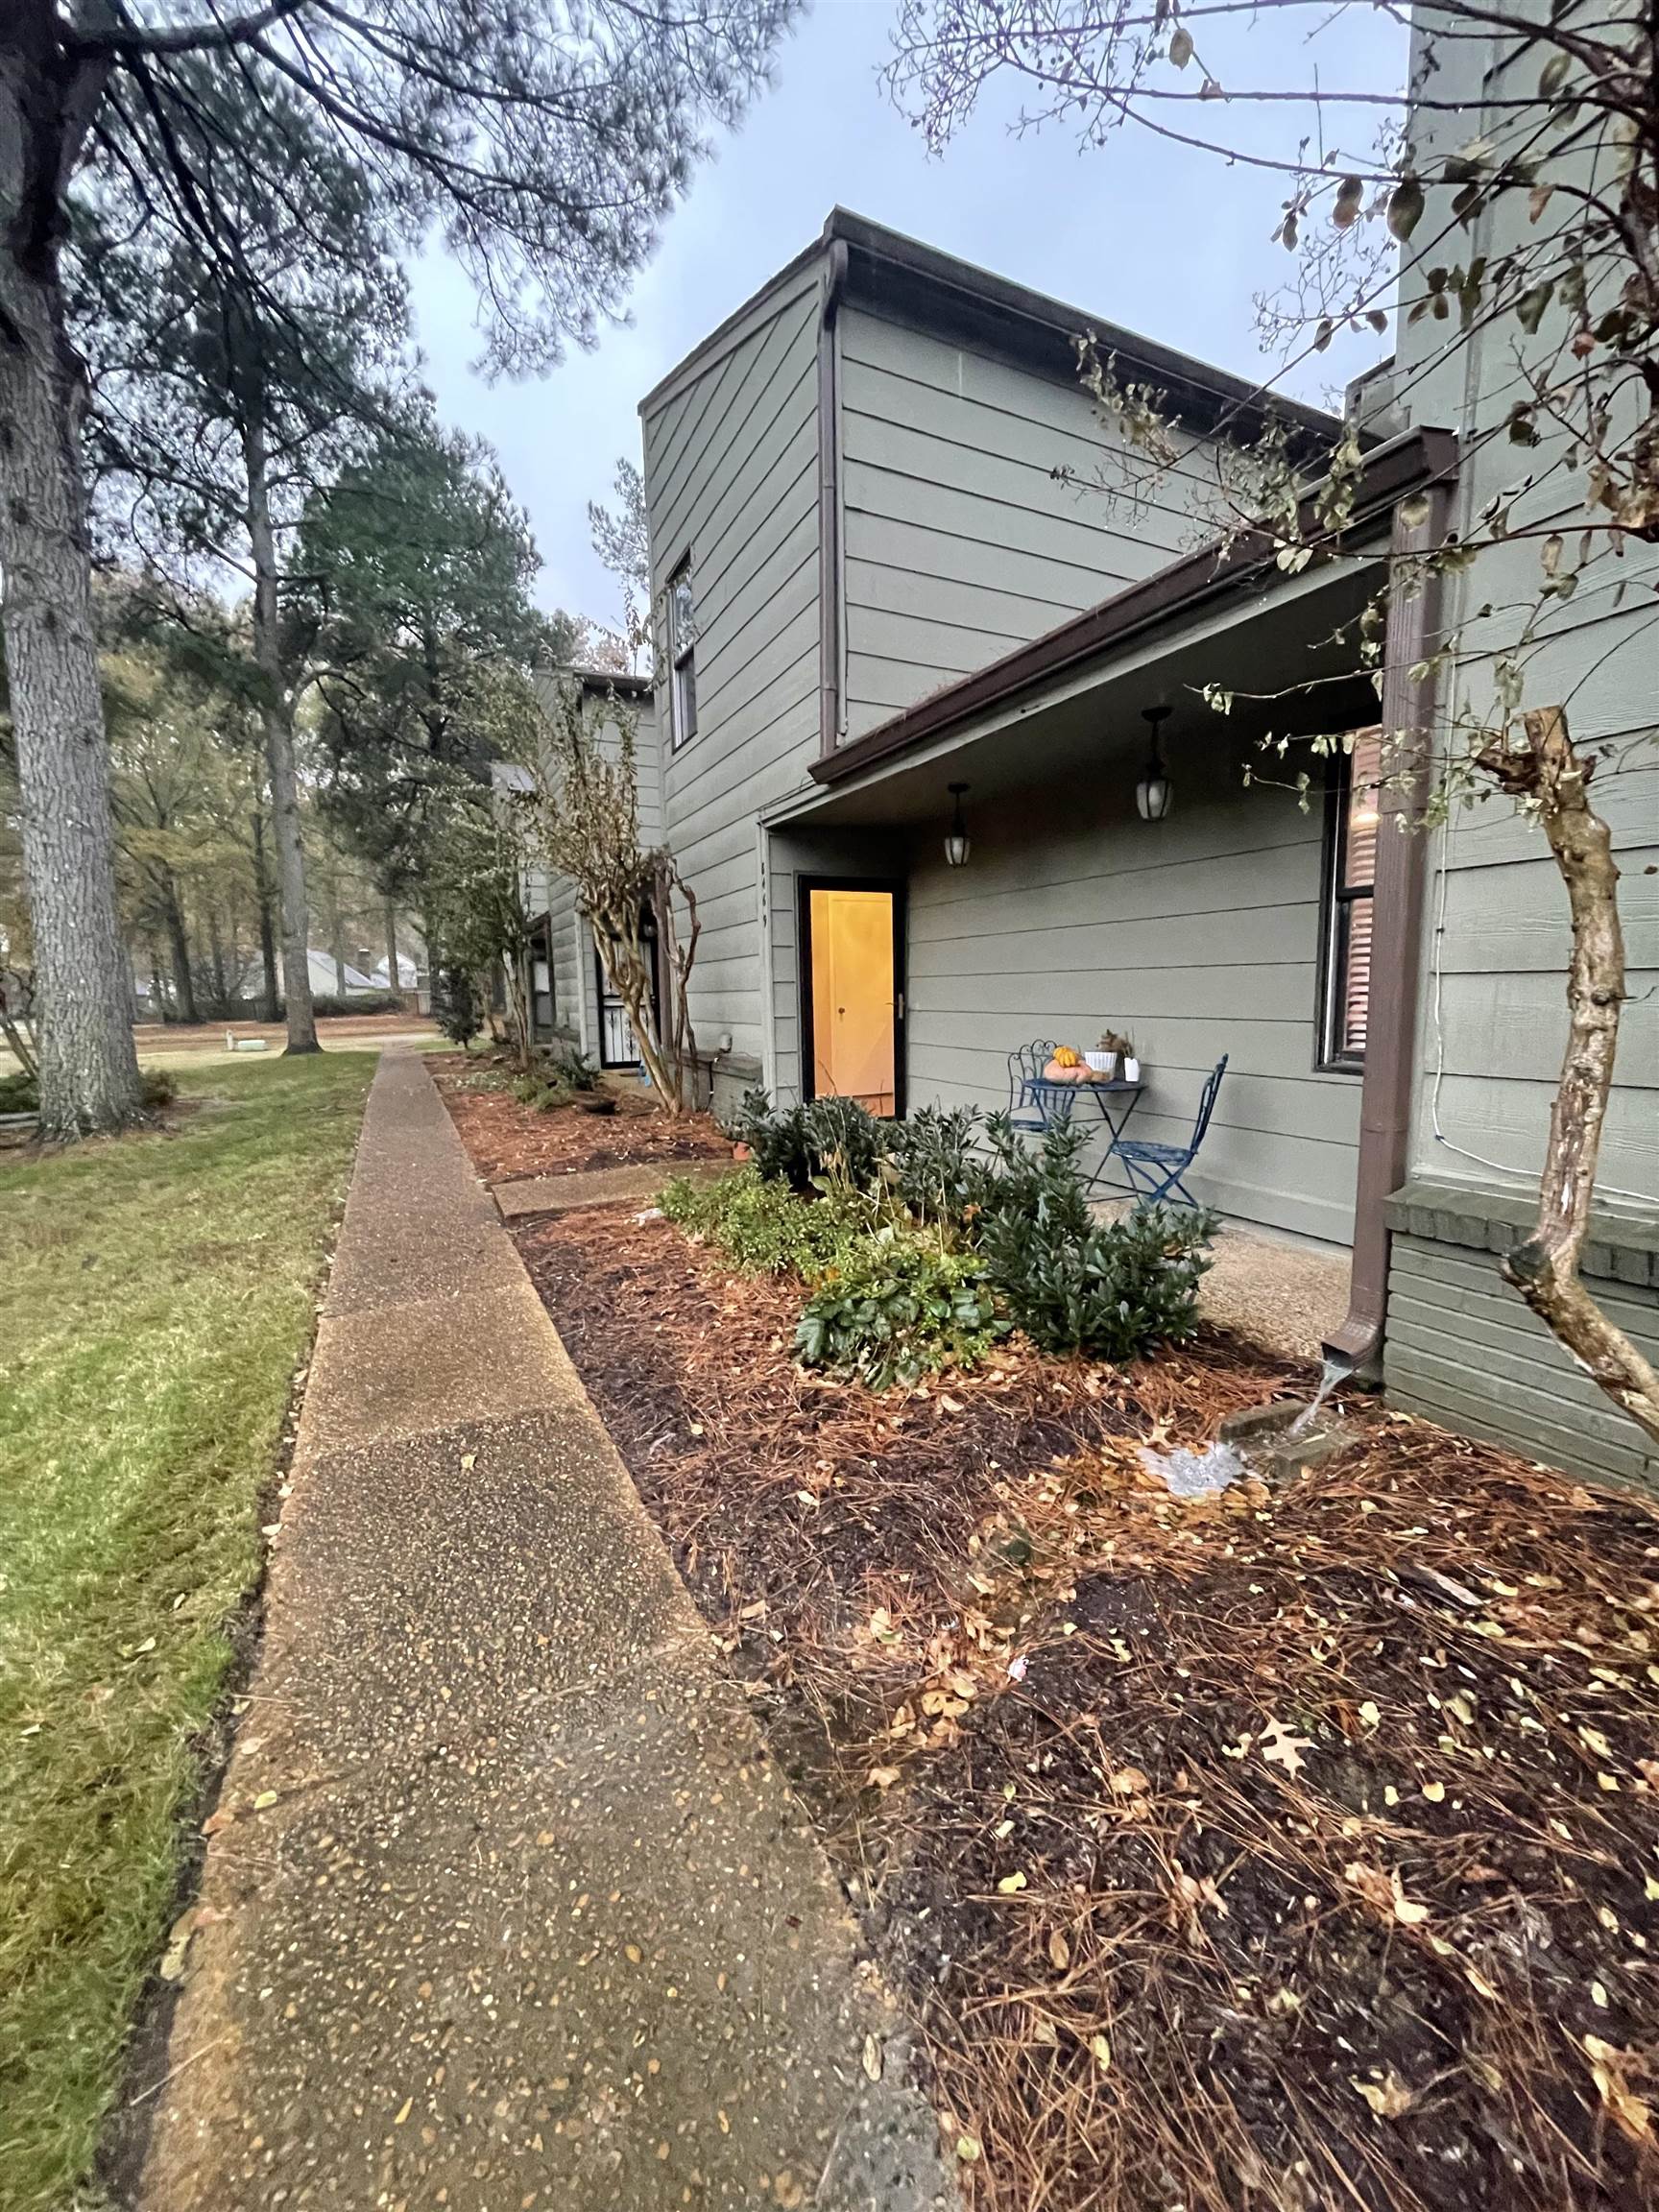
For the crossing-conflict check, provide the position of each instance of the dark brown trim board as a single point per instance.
(1409, 704)
(1422, 458)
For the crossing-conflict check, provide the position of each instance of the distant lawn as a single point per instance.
(155, 1297)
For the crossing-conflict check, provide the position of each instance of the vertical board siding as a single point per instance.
(962, 541)
(731, 476)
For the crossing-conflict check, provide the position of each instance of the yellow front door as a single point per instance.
(854, 990)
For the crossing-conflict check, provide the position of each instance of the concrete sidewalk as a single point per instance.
(505, 1906)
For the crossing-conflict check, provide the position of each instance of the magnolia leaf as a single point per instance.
(1529, 307)
(1549, 557)
(1349, 195)
(1405, 207)
(1554, 75)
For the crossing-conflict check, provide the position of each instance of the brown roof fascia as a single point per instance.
(1408, 464)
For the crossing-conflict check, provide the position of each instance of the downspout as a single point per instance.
(829, 590)
(1409, 704)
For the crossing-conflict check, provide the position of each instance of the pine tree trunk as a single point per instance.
(277, 716)
(270, 1009)
(89, 1064)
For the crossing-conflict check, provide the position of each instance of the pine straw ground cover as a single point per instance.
(507, 1139)
(1283, 1851)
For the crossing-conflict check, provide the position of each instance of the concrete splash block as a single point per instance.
(1271, 1444)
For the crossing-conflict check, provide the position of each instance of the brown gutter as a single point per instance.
(1422, 457)
(830, 505)
(1409, 704)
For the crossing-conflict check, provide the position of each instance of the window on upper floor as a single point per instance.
(1351, 819)
(681, 656)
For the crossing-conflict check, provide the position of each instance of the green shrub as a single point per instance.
(830, 1141)
(20, 1093)
(545, 1092)
(777, 1140)
(1073, 1283)
(764, 1227)
(328, 1007)
(575, 1070)
(932, 1169)
(455, 1006)
(898, 1309)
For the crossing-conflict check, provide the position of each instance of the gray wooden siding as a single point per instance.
(1493, 1003)
(959, 544)
(1198, 936)
(731, 476)
(1464, 1350)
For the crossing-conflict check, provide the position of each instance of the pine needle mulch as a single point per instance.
(507, 1139)
(1291, 1851)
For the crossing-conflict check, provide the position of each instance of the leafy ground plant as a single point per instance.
(157, 1297)
(900, 1309)
(763, 1228)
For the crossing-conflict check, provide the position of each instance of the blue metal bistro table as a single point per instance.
(1056, 1102)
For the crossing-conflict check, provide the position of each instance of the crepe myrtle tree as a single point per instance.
(582, 805)
(542, 139)
(1517, 216)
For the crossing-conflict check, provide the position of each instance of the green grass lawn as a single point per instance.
(155, 1296)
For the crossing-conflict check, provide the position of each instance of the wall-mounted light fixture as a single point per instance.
(1154, 794)
(957, 841)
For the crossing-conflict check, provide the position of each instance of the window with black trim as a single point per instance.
(682, 655)
(1351, 819)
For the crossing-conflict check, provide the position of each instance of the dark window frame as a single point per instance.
(681, 659)
(1337, 900)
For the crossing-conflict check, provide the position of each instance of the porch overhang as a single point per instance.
(1420, 461)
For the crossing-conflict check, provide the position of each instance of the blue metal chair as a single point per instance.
(1025, 1102)
(1154, 1170)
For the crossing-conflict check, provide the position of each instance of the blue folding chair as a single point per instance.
(1025, 1102)
(1154, 1170)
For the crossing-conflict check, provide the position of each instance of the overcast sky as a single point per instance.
(1159, 238)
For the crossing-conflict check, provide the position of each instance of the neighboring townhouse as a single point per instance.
(902, 567)
(568, 995)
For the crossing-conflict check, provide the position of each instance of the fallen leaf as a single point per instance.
(266, 1797)
(1102, 2050)
(1281, 1747)
(1127, 1782)
(469, 1460)
(882, 1777)
(1010, 1884)
(967, 2149)
(1388, 2098)
(1631, 2116)
(1058, 1951)
(872, 2058)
